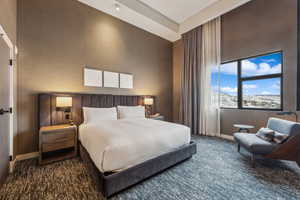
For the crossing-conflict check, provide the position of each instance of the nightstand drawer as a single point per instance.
(57, 142)
(50, 138)
(62, 144)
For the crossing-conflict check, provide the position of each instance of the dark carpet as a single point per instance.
(217, 171)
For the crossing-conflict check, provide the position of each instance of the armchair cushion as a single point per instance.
(254, 144)
(284, 126)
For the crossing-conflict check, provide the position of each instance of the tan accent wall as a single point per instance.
(58, 38)
(258, 27)
(8, 18)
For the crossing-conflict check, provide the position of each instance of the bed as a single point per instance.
(115, 145)
(121, 153)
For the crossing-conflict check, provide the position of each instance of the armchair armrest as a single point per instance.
(289, 150)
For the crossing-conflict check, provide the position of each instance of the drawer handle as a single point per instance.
(58, 140)
(61, 139)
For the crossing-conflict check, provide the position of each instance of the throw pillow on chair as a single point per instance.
(266, 134)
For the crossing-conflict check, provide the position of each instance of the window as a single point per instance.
(252, 83)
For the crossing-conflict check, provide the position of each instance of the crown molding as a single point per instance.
(151, 13)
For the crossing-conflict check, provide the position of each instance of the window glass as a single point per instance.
(258, 85)
(227, 85)
(262, 94)
(262, 65)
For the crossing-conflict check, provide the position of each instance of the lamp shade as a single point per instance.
(148, 101)
(63, 102)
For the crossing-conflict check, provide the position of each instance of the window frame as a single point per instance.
(241, 79)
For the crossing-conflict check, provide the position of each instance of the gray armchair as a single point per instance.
(289, 150)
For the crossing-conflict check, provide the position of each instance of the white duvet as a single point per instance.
(118, 144)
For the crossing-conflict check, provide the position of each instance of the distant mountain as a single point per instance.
(251, 101)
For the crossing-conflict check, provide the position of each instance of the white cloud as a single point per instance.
(252, 69)
(249, 86)
(229, 89)
(265, 93)
(249, 68)
(276, 85)
(265, 68)
(215, 88)
(269, 60)
(229, 68)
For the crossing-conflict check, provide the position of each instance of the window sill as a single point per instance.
(253, 109)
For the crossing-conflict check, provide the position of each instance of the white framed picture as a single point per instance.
(92, 77)
(126, 81)
(111, 79)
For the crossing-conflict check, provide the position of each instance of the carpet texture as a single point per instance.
(217, 171)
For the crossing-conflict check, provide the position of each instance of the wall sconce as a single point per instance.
(148, 102)
(65, 104)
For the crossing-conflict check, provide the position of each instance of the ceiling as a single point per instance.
(165, 18)
(178, 10)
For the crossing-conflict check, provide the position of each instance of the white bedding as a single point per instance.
(114, 145)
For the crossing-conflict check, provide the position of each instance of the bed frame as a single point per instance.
(109, 183)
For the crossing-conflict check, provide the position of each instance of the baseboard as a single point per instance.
(22, 157)
(27, 156)
(227, 137)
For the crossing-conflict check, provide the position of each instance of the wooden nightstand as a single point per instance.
(57, 143)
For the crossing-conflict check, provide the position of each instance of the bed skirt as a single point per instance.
(112, 183)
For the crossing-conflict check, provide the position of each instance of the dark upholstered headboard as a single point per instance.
(48, 115)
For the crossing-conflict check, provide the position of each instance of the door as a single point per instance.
(4, 108)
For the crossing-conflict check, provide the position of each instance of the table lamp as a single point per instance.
(65, 104)
(148, 102)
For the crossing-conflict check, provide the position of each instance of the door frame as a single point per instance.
(12, 90)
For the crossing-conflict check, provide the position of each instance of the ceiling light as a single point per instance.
(117, 6)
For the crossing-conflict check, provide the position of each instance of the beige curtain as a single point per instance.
(199, 109)
(211, 58)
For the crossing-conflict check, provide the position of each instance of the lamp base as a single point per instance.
(148, 111)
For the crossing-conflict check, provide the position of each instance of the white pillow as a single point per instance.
(131, 112)
(94, 115)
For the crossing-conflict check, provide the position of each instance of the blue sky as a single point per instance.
(263, 65)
